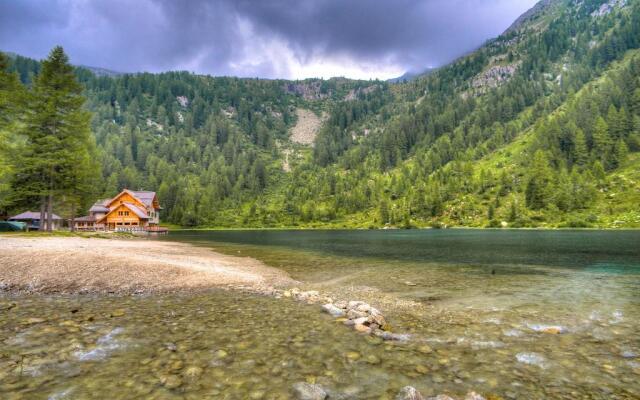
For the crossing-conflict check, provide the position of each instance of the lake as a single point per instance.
(510, 314)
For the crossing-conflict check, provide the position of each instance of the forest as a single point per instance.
(539, 127)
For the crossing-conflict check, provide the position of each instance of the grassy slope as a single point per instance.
(617, 204)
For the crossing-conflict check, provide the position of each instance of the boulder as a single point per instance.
(361, 321)
(365, 308)
(378, 319)
(341, 304)
(354, 304)
(308, 391)
(354, 314)
(409, 393)
(333, 310)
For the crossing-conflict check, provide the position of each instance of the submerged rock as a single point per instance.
(308, 391)
(384, 335)
(550, 329)
(473, 396)
(409, 393)
(531, 359)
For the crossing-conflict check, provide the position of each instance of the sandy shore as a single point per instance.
(76, 265)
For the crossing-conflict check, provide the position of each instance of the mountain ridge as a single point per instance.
(474, 143)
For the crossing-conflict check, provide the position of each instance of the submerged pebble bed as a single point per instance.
(225, 345)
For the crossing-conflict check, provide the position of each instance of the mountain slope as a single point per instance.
(539, 127)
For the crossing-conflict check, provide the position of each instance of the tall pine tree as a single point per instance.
(58, 163)
(12, 97)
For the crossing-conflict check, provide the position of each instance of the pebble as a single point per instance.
(221, 354)
(117, 313)
(409, 393)
(32, 321)
(371, 359)
(425, 349)
(171, 381)
(353, 355)
(421, 369)
(193, 371)
(308, 391)
(176, 365)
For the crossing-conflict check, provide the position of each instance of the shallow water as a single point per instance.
(510, 314)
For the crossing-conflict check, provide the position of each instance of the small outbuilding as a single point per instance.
(32, 219)
(9, 226)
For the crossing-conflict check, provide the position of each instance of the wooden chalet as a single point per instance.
(128, 211)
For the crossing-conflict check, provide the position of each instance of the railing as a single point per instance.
(136, 229)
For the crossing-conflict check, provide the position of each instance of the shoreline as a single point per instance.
(85, 265)
(331, 228)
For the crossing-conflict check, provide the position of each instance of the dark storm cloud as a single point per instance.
(275, 38)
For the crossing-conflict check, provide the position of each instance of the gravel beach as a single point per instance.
(92, 265)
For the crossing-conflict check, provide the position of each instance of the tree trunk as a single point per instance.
(72, 225)
(50, 213)
(42, 214)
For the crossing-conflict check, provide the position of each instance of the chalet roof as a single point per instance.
(88, 218)
(144, 196)
(137, 210)
(142, 214)
(100, 206)
(32, 215)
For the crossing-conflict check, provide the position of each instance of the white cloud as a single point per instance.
(273, 57)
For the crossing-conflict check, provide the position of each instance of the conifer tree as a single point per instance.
(602, 142)
(580, 151)
(620, 153)
(12, 97)
(58, 163)
(539, 188)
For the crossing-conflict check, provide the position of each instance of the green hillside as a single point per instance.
(540, 127)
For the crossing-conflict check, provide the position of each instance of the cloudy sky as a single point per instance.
(257, 38)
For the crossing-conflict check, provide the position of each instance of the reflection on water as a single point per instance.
(535, 323)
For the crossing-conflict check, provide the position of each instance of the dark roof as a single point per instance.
(88, 218)
(31, 215)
